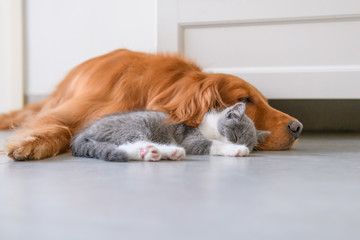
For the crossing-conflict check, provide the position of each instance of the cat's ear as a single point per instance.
(261, 135)
(237, 111)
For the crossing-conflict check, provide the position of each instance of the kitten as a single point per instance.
(145, 135)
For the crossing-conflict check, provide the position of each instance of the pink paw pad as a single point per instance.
(150, 153)
(177, 154)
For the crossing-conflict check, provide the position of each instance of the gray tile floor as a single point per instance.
(310, 192)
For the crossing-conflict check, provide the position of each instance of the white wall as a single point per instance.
(62, 34)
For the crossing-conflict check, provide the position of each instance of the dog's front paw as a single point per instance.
(38, 143)
(28, 149)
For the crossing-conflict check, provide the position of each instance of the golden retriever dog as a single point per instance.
(124, 80)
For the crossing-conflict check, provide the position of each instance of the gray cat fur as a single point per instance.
(239, 128)
(101, 139)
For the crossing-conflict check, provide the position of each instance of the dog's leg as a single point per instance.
(49, 134)
(39, 142)
(16, 118)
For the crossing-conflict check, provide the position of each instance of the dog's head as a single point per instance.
(189, 99)
(285, 130)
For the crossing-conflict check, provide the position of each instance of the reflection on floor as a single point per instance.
(310, 192)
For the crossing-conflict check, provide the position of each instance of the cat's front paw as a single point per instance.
(240, 151)
(225, 149)
(150, 153)
(172, 152)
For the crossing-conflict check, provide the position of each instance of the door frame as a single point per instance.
(12, 46)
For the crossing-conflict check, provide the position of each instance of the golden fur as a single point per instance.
(124, 80)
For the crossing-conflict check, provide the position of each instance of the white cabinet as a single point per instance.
(299, 49)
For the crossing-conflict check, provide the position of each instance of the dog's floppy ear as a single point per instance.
(188, 100)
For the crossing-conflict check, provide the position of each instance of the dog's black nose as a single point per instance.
(295, 128)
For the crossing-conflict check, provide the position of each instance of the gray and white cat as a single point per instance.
(145, 135)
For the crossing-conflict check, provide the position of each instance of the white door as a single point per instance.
(11, 55)
(299, 49)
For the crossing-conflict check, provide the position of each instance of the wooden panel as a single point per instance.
(201, 11)
(274, 44)
(303, 58)
(305, 84)
(288, 49)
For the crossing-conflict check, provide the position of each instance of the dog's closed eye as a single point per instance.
(245, 100)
